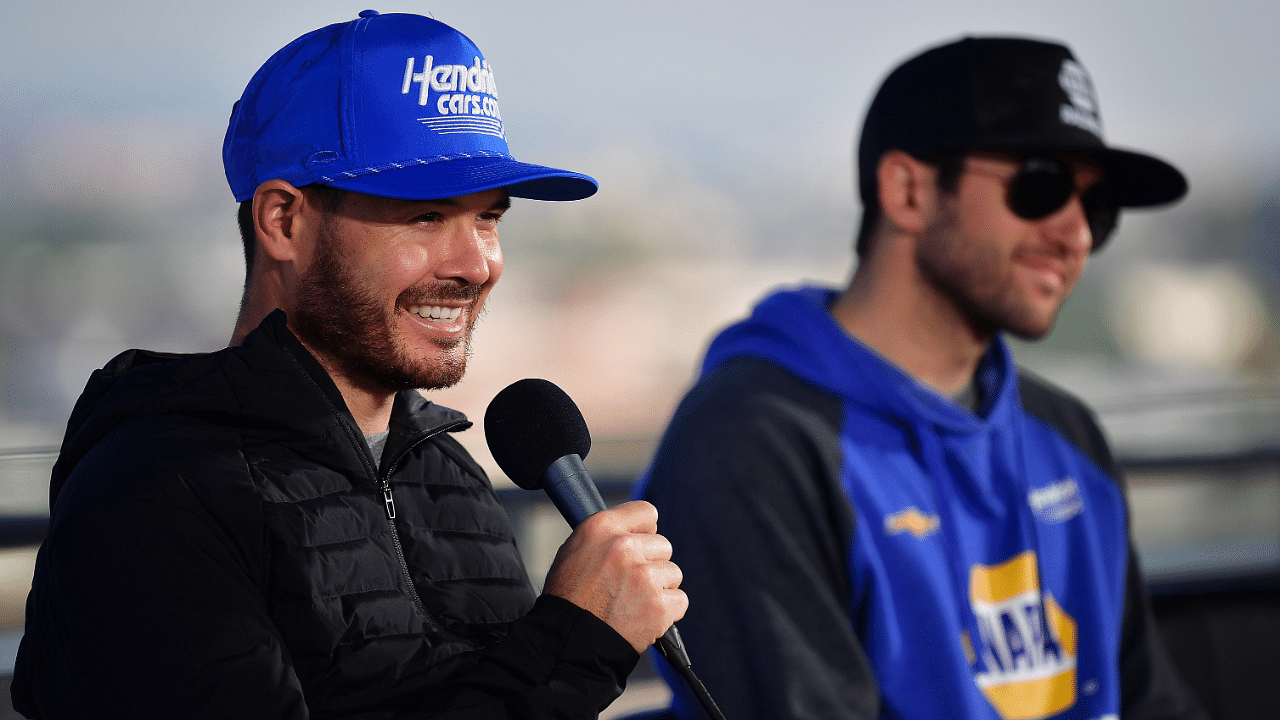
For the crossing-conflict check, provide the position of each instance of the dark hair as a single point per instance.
(329, 197)
(950, 165)
(244, 218)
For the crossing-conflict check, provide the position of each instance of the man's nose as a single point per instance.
(466, 254)
(1069, 227)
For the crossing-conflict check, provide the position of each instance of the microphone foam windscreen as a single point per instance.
(531, 424)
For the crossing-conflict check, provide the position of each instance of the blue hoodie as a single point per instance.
(985, 556)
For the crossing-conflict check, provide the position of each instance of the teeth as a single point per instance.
(435, 312)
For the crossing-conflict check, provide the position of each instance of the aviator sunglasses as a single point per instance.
(1042, 186)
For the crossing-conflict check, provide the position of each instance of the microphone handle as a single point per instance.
(572, 490)
(576, 496)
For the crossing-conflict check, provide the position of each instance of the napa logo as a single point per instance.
(466, 99)
(911, 520)
(1026, 664)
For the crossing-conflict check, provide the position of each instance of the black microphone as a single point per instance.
(539, 438)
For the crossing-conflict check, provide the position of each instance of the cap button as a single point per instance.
(368, 13)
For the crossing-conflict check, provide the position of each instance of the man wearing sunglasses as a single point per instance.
(878, 514)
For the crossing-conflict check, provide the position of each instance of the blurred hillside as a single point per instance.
(127, 239)
(722, 135)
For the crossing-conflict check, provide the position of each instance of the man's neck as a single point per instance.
(262, 296)
(371, 407)
(913, 326)
(371, 411)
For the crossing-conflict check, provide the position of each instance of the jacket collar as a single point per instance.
(270, 382)
(410, 414)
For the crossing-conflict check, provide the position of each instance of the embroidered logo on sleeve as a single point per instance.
(1026, 666)
(911, 520)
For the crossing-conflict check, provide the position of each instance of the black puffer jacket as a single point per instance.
(222, 544)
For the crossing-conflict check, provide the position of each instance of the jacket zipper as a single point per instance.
(389, 505)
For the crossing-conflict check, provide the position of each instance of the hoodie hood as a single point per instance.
(256, 384)
(793, 328)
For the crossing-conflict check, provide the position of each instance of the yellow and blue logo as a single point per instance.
(911, 520)
(1027, 668)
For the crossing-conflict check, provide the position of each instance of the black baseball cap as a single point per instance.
(1003, 93)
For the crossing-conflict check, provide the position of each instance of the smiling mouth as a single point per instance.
(437, 313)
(1045, 264)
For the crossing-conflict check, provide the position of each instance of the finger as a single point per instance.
(652, 547)
(666, 575)
(637, 516)
(677, 576)
(677, 603)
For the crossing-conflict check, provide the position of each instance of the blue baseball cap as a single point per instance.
(396, 105)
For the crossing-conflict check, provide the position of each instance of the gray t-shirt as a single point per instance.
(970, 397)
(377, 442)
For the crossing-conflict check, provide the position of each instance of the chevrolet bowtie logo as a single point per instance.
(911, 520)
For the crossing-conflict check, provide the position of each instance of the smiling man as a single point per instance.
(880, 515)
(285, 528)
(410, 278)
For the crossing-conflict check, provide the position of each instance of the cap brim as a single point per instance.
(1140, 180)
(451, 178)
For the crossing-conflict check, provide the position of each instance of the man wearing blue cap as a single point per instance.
(878, 514)
(285, 528)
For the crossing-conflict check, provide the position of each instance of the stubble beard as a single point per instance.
(354, 336)
(978, 281)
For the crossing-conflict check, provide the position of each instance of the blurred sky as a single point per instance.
(760, 95)
(715, 128)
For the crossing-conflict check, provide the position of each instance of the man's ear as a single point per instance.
(277, 221)
(907, 191)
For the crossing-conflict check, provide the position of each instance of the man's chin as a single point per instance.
(392, 366)
(441, 372)
(443, 378)
(1030, 331)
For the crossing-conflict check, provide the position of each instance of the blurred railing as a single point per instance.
(1196, 519)
(1202, 525)
(1207, 523)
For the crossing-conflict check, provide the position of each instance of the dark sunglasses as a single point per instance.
(1042, 186)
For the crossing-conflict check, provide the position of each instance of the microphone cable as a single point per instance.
(671, 648)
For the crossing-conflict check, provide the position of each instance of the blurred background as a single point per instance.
(722, 134)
